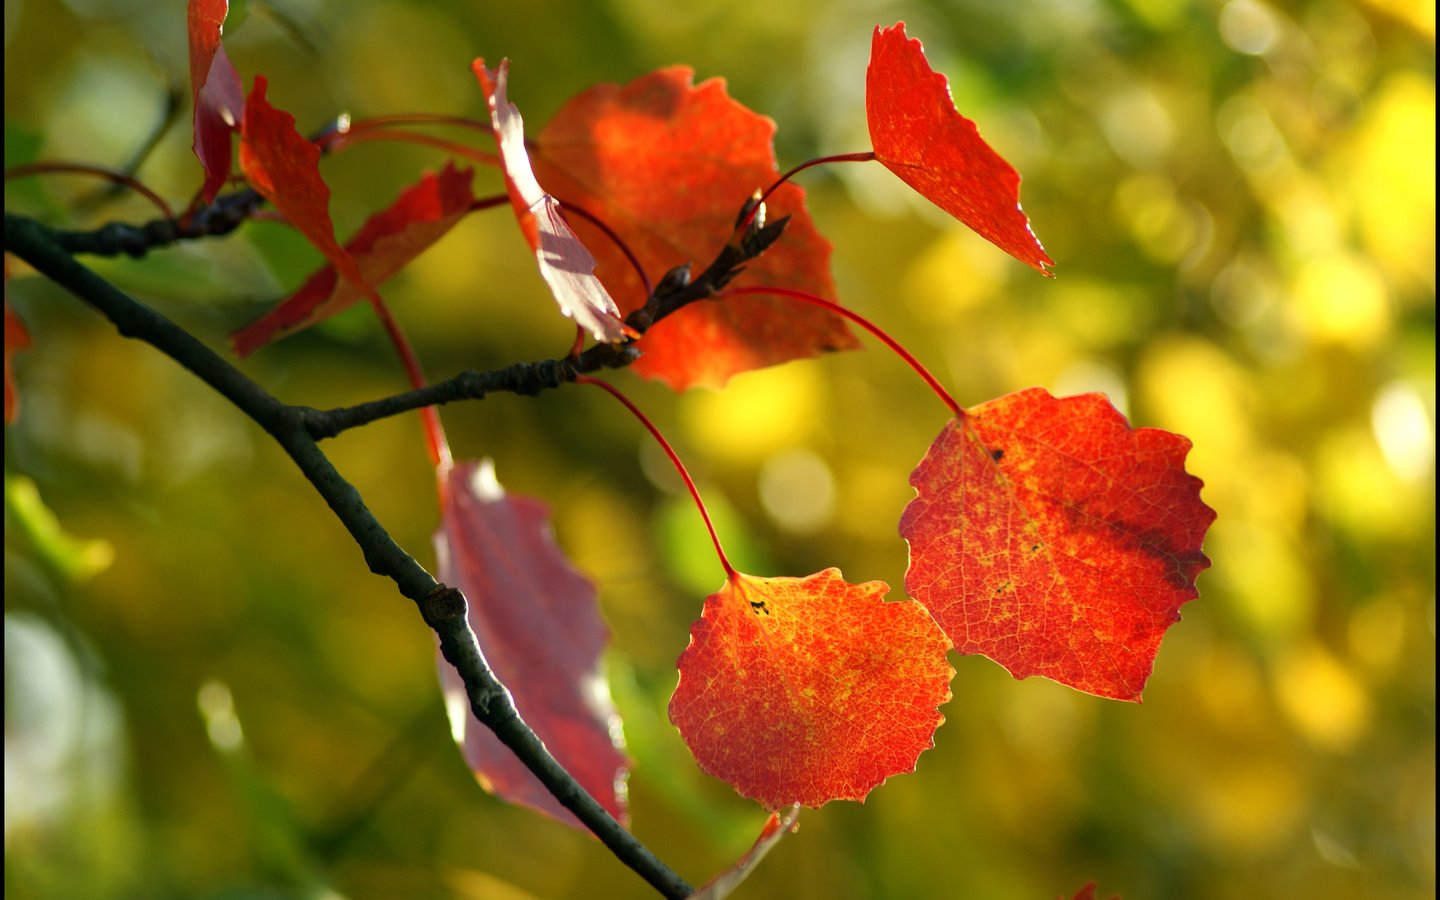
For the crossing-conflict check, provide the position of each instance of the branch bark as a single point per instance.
(297, 429)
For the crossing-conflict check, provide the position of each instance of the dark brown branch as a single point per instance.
(117, 238)
(443, 608)
(674, 292)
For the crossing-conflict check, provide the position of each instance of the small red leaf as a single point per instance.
(807, 690)
(17, 338)
(920, 136)
(565, 263)
(216, 92)
(285, 168)
(1050, 536)
(775, 828)
(540, 630)
(389, 240)
(667, 164)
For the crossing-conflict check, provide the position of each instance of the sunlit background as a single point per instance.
(207, 695)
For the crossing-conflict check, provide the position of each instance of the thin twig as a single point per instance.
(117, 238)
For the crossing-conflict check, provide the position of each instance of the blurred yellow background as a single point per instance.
(207, 695)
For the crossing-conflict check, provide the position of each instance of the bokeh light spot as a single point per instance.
(798, 490)
(757, 414)
(1341, 300)
(1405, 430)
(1249, 27)
(1322, 698)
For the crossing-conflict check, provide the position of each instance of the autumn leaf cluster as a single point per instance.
(1046, 533)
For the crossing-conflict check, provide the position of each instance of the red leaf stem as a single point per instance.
(866, 324)
(69, 168)
(674, 459)
(865, 156)
(337, 141)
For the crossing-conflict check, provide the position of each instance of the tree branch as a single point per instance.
(116, 238)
(443, 608)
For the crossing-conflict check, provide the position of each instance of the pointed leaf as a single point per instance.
(218, 96)
(775, 828)
(565, 263)
(389, 240)
(540, 630)
(1050, 536)
(920, 136)
(285, 168)
(17, 338)
(807, 690)
(667, 164)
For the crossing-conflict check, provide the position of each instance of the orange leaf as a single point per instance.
(539, 627)
(216, 92)
(285, 168)
(667, 165)
(1050, 536)
(920, 136)
(807, 690)
(565, 263)
(389, 240)
(17, 338)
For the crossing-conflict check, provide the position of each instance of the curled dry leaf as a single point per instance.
(807, 690)
(920, 136)
(216, 92)
(1050, 536)
(565, 263)
(285, 168)
(387, 242)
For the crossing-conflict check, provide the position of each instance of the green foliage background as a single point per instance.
(207, 695)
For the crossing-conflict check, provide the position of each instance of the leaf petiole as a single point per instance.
(864, 156)
(67, 168)
(730, 572)
(869, 326)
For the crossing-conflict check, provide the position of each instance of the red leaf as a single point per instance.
(17, 338)
(218, 96)
(389, 240)
(1050, 536)
(565, 263)
(1088, 893)
(775, 828)
(540, 630)
(667, 165)
(807, 690)
(285, 168)
(920, 136)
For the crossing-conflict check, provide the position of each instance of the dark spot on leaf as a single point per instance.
(997, 455)
(1004, 587)
(759, 607)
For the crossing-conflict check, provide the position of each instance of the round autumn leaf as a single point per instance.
(666, 164)
(1050, 536)
(807, 690)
